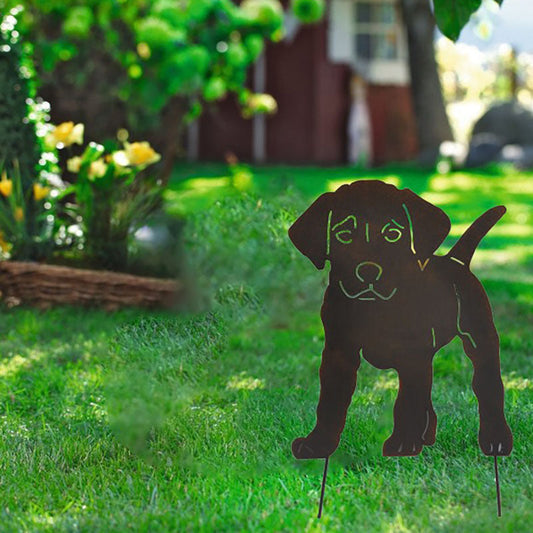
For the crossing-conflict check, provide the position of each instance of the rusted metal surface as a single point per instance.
(391, 300)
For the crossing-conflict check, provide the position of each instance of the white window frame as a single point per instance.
(343, 28)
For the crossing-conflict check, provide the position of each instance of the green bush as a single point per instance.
(134, 63)
(27, 235)
(18, 140)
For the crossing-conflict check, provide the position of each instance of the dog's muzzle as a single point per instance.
(368, 272)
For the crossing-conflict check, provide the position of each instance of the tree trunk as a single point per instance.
(169, 138)
(432, 122)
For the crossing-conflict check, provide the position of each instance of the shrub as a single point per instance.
(149, 66)
(16, 239)
(25, 233)
(18, 140)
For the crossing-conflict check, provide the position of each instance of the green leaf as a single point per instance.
(308, 11)
(78, 22)
(157, 33)
(171, 11)
(92, 152)
(236, 55)
(266, 13)
(452, 15)
(254, 45)
(214, 89)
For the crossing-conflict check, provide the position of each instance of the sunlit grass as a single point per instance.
(242, 381)
(144, 421)
(513, 382)
(333, 185)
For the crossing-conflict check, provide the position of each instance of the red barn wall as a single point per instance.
(224, 130)
(313, 101)
(313, 98)
(393, 126)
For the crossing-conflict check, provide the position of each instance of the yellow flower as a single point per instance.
(65, 134)
(97, 169)
(74, 164)
(260, 103)
(136, 154)
(141, 153)
(6, 186)
(4, 245)
(144, 50)
(18, 214)
(40, 192)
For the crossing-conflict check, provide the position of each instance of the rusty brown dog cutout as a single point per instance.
(394, 302)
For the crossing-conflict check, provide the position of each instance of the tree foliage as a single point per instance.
(452, 15)
(21, 160)
(197, 49)
(17, 130)
(151, 66)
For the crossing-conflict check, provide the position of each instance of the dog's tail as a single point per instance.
(464, 248)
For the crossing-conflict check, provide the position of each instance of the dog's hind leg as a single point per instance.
(476, 329)
(429, 434)
(338, 377)
(414, 418)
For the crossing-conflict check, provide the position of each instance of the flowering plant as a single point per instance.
(111, 195)
(22, 236)
(65, 134)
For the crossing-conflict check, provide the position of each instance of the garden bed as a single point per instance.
(45, 285)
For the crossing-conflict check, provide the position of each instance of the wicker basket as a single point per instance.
(47, 285)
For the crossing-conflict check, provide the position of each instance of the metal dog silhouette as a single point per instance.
(394, 302)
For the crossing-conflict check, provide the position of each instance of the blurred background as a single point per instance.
(358, 82)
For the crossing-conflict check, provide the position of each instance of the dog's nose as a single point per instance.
(368, 271)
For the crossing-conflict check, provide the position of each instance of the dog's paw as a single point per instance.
(402, 446)
(429, 434)
(496, 440)
(312, 447)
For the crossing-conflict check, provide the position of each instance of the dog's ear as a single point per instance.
(429, 224)
(310, 232)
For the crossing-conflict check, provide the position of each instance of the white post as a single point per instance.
(259, 121)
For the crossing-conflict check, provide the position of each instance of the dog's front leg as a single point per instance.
(338, 377)
(414, 418)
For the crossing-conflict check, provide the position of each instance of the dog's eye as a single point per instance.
(345, 235)
(392, 231)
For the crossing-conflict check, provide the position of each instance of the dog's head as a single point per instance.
(374, 235)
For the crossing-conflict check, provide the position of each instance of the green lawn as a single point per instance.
(183, 421)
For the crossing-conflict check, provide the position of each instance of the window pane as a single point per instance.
(384, 46)
(383, 13)
(362, 11)
(363, 46)
(377, 46)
